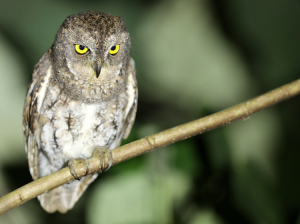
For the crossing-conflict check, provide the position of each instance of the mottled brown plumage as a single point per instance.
(70, 109)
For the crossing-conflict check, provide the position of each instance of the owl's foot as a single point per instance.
(103, 153)
(99, 151)
(72, 162)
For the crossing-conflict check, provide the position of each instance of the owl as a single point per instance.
(82, 97)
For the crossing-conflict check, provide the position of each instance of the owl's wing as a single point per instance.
(34, 98)
(132, 94)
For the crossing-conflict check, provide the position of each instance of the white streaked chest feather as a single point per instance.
(71, 129)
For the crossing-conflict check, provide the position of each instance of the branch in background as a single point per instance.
(147, 144)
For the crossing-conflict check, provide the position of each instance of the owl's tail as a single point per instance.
(64, 197)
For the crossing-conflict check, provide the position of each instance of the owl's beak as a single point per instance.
(97, 68)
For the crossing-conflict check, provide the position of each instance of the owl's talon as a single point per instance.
(103, 153)
(72, 162)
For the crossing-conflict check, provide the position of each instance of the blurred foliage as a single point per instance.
(193, 58)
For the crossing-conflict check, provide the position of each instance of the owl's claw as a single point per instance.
(100, 151)
(72, 162)
(103, 152)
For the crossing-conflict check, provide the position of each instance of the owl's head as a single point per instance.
(90, 56)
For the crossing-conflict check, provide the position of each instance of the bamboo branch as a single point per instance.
(147, 144)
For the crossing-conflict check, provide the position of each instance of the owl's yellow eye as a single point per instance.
(80, 49)
(114, 49)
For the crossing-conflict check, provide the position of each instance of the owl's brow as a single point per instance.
(81, 41)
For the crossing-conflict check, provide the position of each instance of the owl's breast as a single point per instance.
(71, 129)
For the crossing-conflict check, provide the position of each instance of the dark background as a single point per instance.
(193, 58)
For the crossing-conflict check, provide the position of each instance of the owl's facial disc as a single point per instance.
(90, 56)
